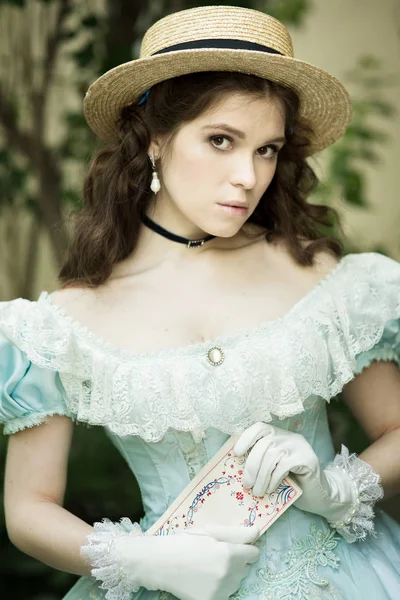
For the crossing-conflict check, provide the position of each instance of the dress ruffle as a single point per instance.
(349, 319)
(368, 489)
(100, 554)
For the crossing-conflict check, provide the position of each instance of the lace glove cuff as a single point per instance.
(359, 522)
(100, 554)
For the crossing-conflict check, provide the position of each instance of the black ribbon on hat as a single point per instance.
(222, 43)
(219, 43)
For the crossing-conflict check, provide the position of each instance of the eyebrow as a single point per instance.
(237, 132)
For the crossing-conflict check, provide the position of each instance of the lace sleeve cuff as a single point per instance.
(360, 520)
(99, 553)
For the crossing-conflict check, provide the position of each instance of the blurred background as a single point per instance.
(51, 50)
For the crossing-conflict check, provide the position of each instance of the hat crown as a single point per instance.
(217, 22)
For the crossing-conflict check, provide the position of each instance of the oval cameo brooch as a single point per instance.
(215, 356)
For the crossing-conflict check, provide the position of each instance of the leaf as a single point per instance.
(31, 203)
(369, 61)
(76, 119)
(373, 82)
(72, 198)
(288, 11)
(368, 155)
(339, 162)
(68, 34)
(4, 156)
(365, 133)
(353, 188)
(91, 21)
(85, 56)
(18, 3)
(17, 178)
(380, 107)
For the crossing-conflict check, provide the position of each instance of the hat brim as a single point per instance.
(325, 102)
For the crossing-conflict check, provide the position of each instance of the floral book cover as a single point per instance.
(216, 495)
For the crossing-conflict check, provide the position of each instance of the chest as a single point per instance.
(179, 306)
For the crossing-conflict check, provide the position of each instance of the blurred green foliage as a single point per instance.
(359, 146)
(99, 484)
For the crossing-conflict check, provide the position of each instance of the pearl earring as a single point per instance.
(155, 185)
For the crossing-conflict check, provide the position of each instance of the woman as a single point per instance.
(200, 299)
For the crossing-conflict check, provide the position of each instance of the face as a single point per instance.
(227, 155)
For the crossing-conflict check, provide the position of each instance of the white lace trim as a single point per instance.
(269, 371)
(99, 553)
(360, 521)
(34, 419)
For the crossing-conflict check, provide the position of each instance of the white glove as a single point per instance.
(343, 492)
(196, 564)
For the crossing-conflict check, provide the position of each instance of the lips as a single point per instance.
(237, 204)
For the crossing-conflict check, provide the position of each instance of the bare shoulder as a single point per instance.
(324, 260)
(75, 301)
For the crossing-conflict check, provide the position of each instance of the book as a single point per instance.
(216, 495)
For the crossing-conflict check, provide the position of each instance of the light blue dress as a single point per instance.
(169, 412)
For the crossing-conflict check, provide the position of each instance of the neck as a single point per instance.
(174, 237)
(153, 251)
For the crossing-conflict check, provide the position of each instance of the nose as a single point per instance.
(243, 172)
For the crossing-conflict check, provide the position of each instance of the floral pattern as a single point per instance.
(300, 580)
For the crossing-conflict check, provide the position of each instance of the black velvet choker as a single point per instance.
(172, 236)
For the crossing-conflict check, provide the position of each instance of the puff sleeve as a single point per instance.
(386, 349)
(375, 310)
(28, 393)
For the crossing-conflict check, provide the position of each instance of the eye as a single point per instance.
(219, 143)
(272, 150)
(217, 139)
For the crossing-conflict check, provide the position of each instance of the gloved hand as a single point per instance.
(196, 564)
(331, 493)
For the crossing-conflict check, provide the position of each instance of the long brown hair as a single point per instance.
(116, 189)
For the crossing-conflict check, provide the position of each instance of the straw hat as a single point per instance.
(220, 38)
